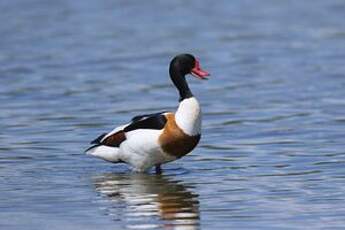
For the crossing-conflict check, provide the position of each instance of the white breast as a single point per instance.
(188, 116)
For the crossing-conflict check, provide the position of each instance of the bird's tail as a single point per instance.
(105, 152)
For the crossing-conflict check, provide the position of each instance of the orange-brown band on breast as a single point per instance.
(174, 141)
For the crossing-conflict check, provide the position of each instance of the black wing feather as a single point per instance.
(139, 117)
(98, 139)
(91, 147)
(147, 121)
(155, 121)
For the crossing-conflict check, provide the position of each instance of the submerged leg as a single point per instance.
(158, 169)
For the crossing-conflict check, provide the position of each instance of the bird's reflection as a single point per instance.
(149, 201)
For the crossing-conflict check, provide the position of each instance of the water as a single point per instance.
(272, 152)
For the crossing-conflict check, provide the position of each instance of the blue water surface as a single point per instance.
(272, 154)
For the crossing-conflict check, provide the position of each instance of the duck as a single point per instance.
(150, 140)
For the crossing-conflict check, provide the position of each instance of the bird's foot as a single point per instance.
(158, 169)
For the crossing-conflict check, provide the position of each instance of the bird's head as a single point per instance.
(187, 64)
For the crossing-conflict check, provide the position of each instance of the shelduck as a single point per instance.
(153, 139)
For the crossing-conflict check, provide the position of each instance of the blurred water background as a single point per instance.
(272, 153)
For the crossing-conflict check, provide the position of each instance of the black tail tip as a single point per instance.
(93, 146)
(98, 139)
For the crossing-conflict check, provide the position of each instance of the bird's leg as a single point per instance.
(158, 169)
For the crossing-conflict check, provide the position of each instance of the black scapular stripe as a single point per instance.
(148, 121)
(139, 117)
(157, 121)
(98, 139)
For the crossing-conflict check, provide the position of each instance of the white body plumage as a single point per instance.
(142, 149)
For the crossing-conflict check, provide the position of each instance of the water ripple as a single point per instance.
(272, 147)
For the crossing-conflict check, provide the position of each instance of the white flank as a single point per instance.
(142, 151)
(188, 116)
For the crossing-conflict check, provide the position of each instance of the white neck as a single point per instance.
(188, 116)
